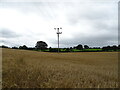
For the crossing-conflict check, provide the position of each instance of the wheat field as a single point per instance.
(32, 69)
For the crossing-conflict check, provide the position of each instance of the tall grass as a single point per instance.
(28, 69)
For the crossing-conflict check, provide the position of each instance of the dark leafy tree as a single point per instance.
(23, 47)
(110, 48)
(118, 46)
(3, 46)
(71, 48)
(114, 47)
(50, 48)
(31, 48)
(107, 48)
(80, 47)
(41, 45)
(20, 47)
(14, 47)
(86, 47)
(74, 47)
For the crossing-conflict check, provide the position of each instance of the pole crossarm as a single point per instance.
(59, 32)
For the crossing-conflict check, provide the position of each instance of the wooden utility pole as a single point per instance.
(58, 35)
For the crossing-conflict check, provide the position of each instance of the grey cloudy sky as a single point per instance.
(91, 22)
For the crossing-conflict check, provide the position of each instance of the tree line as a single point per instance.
(43, 46)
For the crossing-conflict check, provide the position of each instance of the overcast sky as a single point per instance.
(86, 22)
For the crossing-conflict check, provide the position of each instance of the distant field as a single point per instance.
(30, 69)
(75, 50)
(88, 50)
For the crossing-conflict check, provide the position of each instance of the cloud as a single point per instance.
(91, 40)
(6, 33)
(83, 21)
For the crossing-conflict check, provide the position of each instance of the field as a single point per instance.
(30, 69)
(73, 50)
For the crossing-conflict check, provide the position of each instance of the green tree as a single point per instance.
(41, 45)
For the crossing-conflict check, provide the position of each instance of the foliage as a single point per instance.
(86, 47)
(111, 48)
(53, 49)
(14, 47)
(80, 47)
(3, 46)
(23, 47)
(41, 45)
